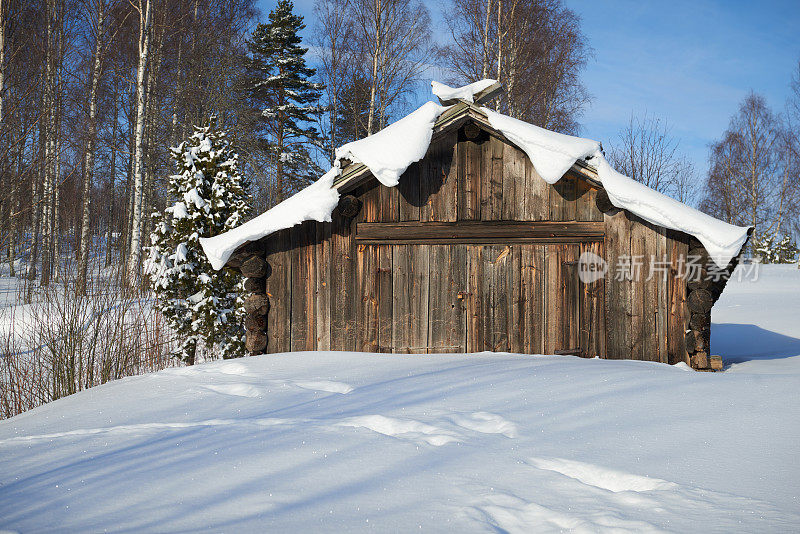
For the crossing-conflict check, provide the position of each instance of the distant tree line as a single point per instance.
(754, 170)
(93, 93)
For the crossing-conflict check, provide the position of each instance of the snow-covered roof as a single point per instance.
(389, 152)
(466, 93)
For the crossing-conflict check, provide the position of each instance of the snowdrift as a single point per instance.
(333, 442)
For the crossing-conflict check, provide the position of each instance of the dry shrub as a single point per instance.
(69, 340)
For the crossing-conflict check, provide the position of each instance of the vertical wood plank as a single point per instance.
(618, 303)
(469, 181)
(343, 328)
(518, 304)
(662, 302)
(389, 204)
(638, 291)
(553, 314)
(366, 308)
(513, 183)
(533, 297)
(279, 291)
(593, 312)
(644, 292)
(586, 202)
(323, 286)
(410, 298)
(536, 192)
(492, 179)
(446, 313)
(439, 181)
(678, 245)
(496, 260)
(571, 298)
(408, 190)
(384, 292)
(474, 300)
(303, 321)
(562, 199)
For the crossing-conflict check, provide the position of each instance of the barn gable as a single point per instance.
(474, 251)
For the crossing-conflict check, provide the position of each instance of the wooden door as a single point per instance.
(530, 299)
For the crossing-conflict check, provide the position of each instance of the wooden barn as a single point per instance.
(474, 251)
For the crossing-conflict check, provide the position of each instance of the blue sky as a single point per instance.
(688, 62)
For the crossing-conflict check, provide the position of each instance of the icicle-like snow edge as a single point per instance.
(552, 154)
(315, 202)
(387, 154)
(468, 92)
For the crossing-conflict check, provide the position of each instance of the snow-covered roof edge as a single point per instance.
(466, 93)
(389, 152)
(552, 154)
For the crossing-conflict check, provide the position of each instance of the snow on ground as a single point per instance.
(485, 442)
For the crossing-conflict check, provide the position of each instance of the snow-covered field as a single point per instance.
(310, 442)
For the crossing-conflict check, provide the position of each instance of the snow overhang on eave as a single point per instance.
(460, 112)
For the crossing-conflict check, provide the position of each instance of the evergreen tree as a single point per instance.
(771, 250)
(209, 197)
(280, 84)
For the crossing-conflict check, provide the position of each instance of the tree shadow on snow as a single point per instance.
(738, 343)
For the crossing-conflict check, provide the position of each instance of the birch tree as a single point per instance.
(393, 39)
(535, 47)
(646, 151)
(332, 35)
(88, 169)
(749, 182)
(144, 8)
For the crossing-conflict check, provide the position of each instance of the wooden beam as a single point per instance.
(473, 232)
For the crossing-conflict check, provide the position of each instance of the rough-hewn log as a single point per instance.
(699, 251)
(349, 206)
(254, 285)
(701, 283)
(716, 362)
(700, 341)
(254, 267)
(255, 322)
(603, 202)
(256, 304)
(689, 341)
(700, 360)
(699, 321)
(256, 341)
(700, 301)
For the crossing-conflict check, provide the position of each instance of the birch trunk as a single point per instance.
(145, 20)
(47, 181)
(486, 40)
(2, 55)
(88, 171)
(375, 60)
(58, 115)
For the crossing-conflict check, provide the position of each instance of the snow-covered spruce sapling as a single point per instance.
(771, 250)
(207, 197)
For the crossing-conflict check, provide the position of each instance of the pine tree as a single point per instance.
(280, 84)
(209, 197)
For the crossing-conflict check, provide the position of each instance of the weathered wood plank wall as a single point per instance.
(330, 290)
